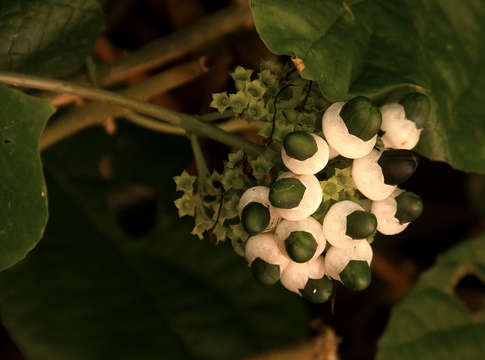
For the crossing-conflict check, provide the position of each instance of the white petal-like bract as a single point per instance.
(264, 246)
(384, 210)
(309, 224)
(335, 224)
(296, 275)
(310, 202)
(339, 138)
(368, 177)
(336, 259)
(399, 132)
(313, 164)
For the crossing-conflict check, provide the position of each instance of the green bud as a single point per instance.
(300, 145)
(417, 108)
(356, 275)
(255, 218)
(318, 290)
(397, 165)
(286, 193)
(300, 246)
(361, 224)
(409, 207)
(362, 118)
(267, 274)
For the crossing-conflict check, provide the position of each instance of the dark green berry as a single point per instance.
(397, 165)
(362, 118)
(286, 193)
(267, 274)
(255, 218)
(361, 224)
(356, 275)
(300, 246)
(417, 108)
(318, 290)
(409, 207)
(300, 145)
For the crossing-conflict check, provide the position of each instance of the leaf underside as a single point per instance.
(384, 49)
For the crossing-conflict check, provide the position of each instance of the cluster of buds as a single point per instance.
(288, 244)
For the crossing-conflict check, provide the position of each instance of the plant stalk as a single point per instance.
(188, 122)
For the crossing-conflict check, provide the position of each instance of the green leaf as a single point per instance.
(90, 291)
(48, 37)
(430, 322)
(23, 195)
(385, 49)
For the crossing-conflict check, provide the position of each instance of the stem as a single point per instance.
(91, 70)
(188, 122)
(202, 169)
(214, 116)
(234, 125)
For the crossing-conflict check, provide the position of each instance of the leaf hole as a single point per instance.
(471, 292)
(8, 141)
(136, 209)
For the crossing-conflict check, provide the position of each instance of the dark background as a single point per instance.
(453, 200)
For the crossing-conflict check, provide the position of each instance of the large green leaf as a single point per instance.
(48, 37)
(23, 198)
(377, 47)
(430, 322)
(89, 291)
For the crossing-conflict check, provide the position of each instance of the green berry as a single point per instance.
(300, 246)
(356, 275)
(361, 224)
(286, 193)
(362, 118)
(397, 165)
(417, 108)
(267, 274)
(255, 218)
(300, 145)
(318, 290)
(409, 207)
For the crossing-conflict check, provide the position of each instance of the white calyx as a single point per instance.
(335, 224)
(399, 132)
(264, 246)
(311, 200)
(385, 211)
(260, 195)
(336, 259)
(309, 166)
(338, 136)
(368, 177)
(296, 275)
(309, 224)
(332, 153)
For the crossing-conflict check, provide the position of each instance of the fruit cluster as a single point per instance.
(287, 241)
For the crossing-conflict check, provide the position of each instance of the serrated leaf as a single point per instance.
(382, 49)
(162, 295)
(232, 179)
(430, 321)
(234, 159)
(185, 182)
(48, 37)
(23, 195)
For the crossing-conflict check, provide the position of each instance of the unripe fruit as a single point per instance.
(300, 145)
(409, 207)
(361, 117)
(356, 275)
(417, 108)
(397, 165)
(266, 274)
(255, 218)
(361, 224)
(286, 193)
(300, 246)
(318, 290)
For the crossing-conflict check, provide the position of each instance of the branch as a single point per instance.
(202, 169)
(189, 123)
(164, 50)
